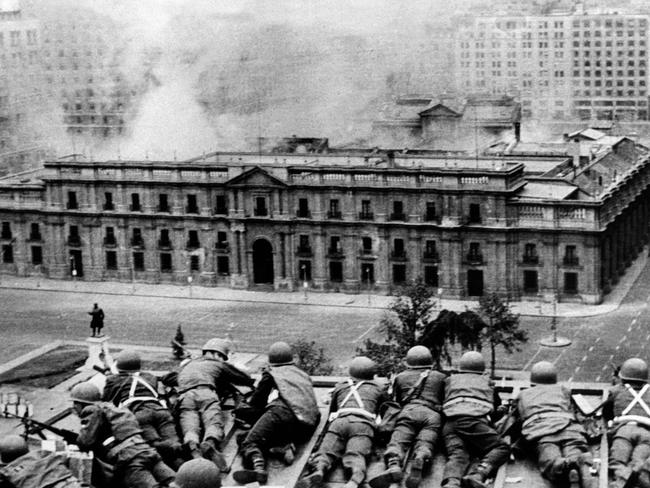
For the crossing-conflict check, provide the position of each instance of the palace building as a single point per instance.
(528, 227)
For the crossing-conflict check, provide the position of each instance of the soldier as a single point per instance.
(114, 436)
(549, 423)
(419, 390)
(37, 469)
(628, 409)
(469, 401)
(286, 395)
(198, 473)
(200, 382)
(351, 429)
(138, 392)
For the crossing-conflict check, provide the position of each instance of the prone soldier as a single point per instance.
(549, 423)
(469, 401)
(285, 395)
(199, 384)
(114, 436)
(627, 407)
(351, 427)
(138, 391)
(419, 391)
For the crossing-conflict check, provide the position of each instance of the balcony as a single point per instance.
(335, 252)
(137, 242)
(221, 211)
(431, 256)
(192, 210)
(164, 244)
(191, 245)
(260, 212)
(304, 251)
(530, 259)
(473, 219)
(74, 241)
(110, 242)
(108, 207)
(366, 251)
(431, 217)
(222, 247)
(398, 216)
(335, 215)
(303, 214)
(475, 258)
(72, 206)
(398, 256)
(571, 261)
(35, 237)
(163, 209)
(135, 208)
(366, 216)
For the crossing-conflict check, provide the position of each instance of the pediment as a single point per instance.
(256, 177)
(439, 110)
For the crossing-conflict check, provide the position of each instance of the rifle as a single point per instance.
(35, 427)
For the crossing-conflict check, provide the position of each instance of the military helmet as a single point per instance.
(471, 362)
(280, 354)
(128, 361)
(198, 473)
(85, 393)
(12, 447)
(634, 369)
(222, 346)
(362, 368)
(543, 373)
(419, 357)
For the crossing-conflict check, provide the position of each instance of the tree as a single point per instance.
(177, 344)
(450, 329)
(311, 358)
(501, 326)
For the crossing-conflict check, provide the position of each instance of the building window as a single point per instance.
(72, 200)
(398, 248)
(366, 245)
(335, 245)
(193, 239)
(399, 273)
(260, 209)
(73, 236)
(37, 255)
(109, 239)
(164, 241)
(136, 238)
(367, 273)
(474, 256)
(135, 202)
(366, 213)
(304, 268)
(111, 260)
(303, 209)
(222, 241)
(431, 212)
(194, 263)
(336, 271)
(192, 207)
(138, 261)
(223, 265)
(530, 254)
(431, 276)
(335, 211)
(221, 208)
(108, 201)
(570, 283)
(430, 250)
(570, 256)
(474, 213)
(165, 262)
(7, 253)
(34, 232)
(163, 203)
(398, 211)
(303, 244)
(530, 282)
(6, 230)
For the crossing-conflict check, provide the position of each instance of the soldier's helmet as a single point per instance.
(128, 361)
(419, 357)
(12, 447)
(634, 369)
(543, 373)
(85, 393)
(222, 346)
(280, 354)
(362, 368)
(471, 362)
(198, 473)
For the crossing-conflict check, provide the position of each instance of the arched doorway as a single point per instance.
(262, 261)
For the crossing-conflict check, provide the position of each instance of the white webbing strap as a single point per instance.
(637, 398)
(353, 393)
(135, 381)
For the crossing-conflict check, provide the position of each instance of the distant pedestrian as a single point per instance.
(97, 321)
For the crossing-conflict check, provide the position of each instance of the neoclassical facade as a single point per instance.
(335, 221)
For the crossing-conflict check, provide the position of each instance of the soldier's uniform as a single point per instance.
(468, 430)
(199, 384)
(351, 429)
(285, 395)
(138, 392)
(628, 409)
(548, 422)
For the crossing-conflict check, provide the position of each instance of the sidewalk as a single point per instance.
(530, 308)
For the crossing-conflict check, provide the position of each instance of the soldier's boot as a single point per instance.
(313, 479)
(621, 477)
(574, 478)
(476, 479)
(643, 479)
(286, 453)
(415, 476)
(210, 450)
(392, 475)
(450, 483)
(193, 450)
(258, 472)
(356, 478)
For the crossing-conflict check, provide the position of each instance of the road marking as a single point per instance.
(591, 349)
(622, 339)
(370, 329)
(604, 368)
(584, 358)
(530, 361)
(618, 347)
(611, 356)
(629, 329)
(571, 379)
(598, 378)
(577, 369)
(647, 338)
(597, 339)
(634, 322)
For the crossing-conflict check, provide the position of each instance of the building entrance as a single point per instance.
(76, 264)
(262, 262)
(474, 282)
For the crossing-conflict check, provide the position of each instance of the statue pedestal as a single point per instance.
(98, 354)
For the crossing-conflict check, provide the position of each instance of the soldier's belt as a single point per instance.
(113, 450)
(352, 410)
(631, 419)
(132, 400)
(206, 385)
(546, 415)
(463, 399)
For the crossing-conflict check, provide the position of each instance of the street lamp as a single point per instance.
(367, 271)
(303, 269)
(554, 340)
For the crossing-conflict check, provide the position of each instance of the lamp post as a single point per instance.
(367, 270)
(554, 340)
(303, 270)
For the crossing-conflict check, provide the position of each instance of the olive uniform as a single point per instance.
(38, 469)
